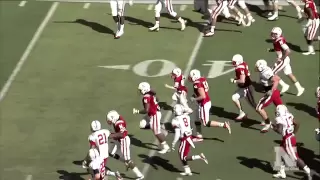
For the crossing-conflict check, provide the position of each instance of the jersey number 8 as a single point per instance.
(186, 122)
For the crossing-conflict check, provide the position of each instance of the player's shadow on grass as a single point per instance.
(65, 175)
(308, 156)
(245, 123)
(293, 47)
(138, 143)
(157, 161)
(135, 21)
(258, 87)
(256, 9)
(303, 107)
(93, 25)
(256, 163)
(165, 106)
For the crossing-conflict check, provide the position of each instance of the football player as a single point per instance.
(310, 29)
(270, 82)
(120, 126)
(153, 114)
(117, 12)
(201, 95)
(287, 127)
(167, 4)
(180, 96)
(276, 8)
(99, 139)
(243, 6)
(182, 126)
(243, 81)
(318, 102)
(97, 165)
(283, 60)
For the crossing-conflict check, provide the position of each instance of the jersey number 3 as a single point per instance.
(102, 138)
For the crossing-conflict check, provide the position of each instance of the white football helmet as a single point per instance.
(93, 154)
(318, 92)
(276, 32)
(95, 125)
(144, 87)
(194, 75)
(261, 64)
(237, 59)
(178, 109)
(281, 110)
(113, 116)
(176, 72)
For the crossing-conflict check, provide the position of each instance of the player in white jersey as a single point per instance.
(97, 165)
(180, 96)
(117, 12)
(182, 125)
(99, 139)
(287, 127)
(168, 5)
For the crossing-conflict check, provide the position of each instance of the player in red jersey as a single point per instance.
(243, 82)
(201, 95)
(283, 60)
(310, 29)
(153, 114)
(180, 96)
(120, 126)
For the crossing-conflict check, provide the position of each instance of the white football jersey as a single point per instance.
(265, 77)
(183, 123)
(98, 164)
(100, 140)
(287, 122)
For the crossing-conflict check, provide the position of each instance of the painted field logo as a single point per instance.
(283, 158)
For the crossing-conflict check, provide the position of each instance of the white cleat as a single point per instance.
(241, 20)
(273, 17)
(266, 128)
(250, 21)
(118, 34)
(140, 178)
(154, 28)
(300, 92)
(284, 89)
(280, 175)
(183, 25)
(203, 157)
(309, 53)
(186, 174)
(199, 136)
(208, 34)
(262, 123)
(227, 126)
(118, 176)
(241, 116)
(164, 150)
(196, 139)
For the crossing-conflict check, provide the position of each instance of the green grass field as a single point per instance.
(75, 72)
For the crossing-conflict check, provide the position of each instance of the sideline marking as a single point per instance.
(86, 5)
(22, 3)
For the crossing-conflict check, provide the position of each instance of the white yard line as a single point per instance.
(167, 118)
(183, 7)
(22, 3)
(27, 52)
(86, 5)
(150, 7)
(29, 177)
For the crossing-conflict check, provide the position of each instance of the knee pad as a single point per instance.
(157, 9)
(242, 4)
(235, 97)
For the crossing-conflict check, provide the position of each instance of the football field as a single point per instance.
(61, 68)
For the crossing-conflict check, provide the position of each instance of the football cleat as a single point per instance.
(266, 128)
(208, 34)
(186, 174)
(274, 17)
(118, 176)
(227, 126)
(300, 91)
(309, 53)
(118, 34)
(284, 89)
(204, 158)
(140, 178)
(241, 20)
(155, 28)
(164, 150)
(183, 25)
(280, 175)
(241, 116)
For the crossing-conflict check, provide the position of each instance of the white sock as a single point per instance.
(195, 157)
(181, 20)
(212, 28)
(137, 172)
(165, 145)
(187, 169)
(310, 48)
(157, 23)
(306, 169)
(282, 169)
(282, 83)
(297, 84)
(121, 27)
(298, 9)
(110, 173)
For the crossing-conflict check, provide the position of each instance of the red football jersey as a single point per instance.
(201, 83)
(150, 98)
(243, 69)
(309, 4)
(280, 45)
(179, 84)
(121, 126)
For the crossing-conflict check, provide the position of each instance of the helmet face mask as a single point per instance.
(144, 87)
(237, 60)
(276, 32)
